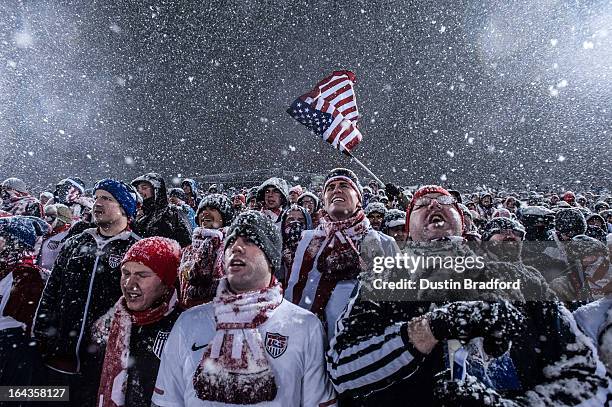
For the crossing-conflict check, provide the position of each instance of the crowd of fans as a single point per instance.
(135, 293)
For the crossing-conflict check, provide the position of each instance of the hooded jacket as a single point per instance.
(193, 199)
(279, 184)
(158, 217)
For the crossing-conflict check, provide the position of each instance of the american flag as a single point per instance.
(330, 111)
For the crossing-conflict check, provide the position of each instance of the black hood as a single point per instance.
(160, 200)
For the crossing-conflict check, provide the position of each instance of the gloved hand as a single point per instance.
(496, 322)
(392, 190)
(467, 393)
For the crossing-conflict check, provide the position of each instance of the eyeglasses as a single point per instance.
(426, 201)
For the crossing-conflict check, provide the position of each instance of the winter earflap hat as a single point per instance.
(160, 254)
(16, 184)
(498, 225)
(219, 202)
(259, 229)
(570, 222)
(121, 192)
(424, 190)
(344, 174)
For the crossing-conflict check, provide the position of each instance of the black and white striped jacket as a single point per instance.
(372, 362)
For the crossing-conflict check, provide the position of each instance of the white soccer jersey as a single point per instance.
(293, 339)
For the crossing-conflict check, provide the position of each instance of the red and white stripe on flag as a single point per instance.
(335, 95)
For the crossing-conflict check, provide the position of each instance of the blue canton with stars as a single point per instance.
(318, 122)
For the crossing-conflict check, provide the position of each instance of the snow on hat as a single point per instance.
(219, 202)
(123, 193)
(259, 229)
(424, 190)
(16, 184)
(23, 229)
(394, 217)
(570, 222)
(498, 225)
(375, 207)
(347, 175)
(305, 194)
(296, 189)
(160, 254)
(581, 246)
(46, 194)
(177, 193)
(277, 183)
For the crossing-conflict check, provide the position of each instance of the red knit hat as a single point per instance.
(160, 254)
(424, 190)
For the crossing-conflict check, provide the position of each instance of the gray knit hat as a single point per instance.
(259, 229)
(16, 184)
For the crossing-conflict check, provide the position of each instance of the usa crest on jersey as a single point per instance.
(160, 341)
(276, 344)
(114, 260)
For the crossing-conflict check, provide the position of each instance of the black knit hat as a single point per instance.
(570, 222)
(346, 175)
(259, 229)
(219, 202)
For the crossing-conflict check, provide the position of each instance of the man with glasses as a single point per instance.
(83, 285)
(386, 351)
(433, 214)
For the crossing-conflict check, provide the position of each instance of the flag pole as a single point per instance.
(382, 184)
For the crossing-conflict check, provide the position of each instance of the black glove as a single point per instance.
(392, 190)
(467, 393)
(496, 322)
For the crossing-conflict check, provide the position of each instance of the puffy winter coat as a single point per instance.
(83, 285)
(159, 218)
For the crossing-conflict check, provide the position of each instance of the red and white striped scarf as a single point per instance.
(18, 203)
(115, 328)
(234, 368)
(333, 252)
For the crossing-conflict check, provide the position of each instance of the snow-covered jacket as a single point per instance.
(83, 285)
(595, 320)
(159, 218)
(373, 362)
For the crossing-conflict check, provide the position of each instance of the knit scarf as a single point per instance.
(234, 368)
(335, 249)
(18, 202)
(113, 383)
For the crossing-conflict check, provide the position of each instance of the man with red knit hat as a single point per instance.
(132, 334)
(433, 214)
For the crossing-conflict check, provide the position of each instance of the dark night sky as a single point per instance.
(456, 92)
